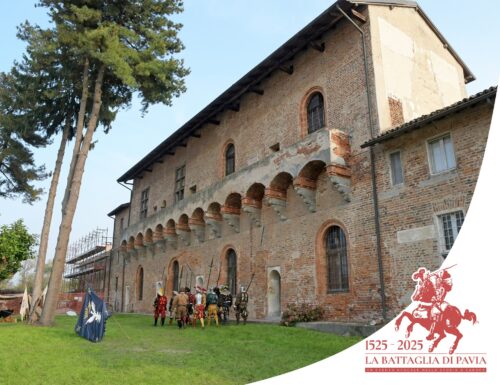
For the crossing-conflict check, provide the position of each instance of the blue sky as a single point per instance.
(224, 39)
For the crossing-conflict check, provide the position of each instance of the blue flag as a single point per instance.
(92, 320)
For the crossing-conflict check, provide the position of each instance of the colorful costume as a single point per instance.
(160, 306)
(199, 308)
(212, 307)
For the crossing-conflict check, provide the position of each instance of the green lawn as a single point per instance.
(135, 352)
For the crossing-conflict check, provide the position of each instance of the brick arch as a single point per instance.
(148, 237)
(303, 108)
(309, 174)
(222, 158)
(123, 245)
(214, 210)
(233, 200)
(130, 243)
(281, 181)
(158, 233)
(321, 262)
(139, 240)
(183, 222)
(256, 191)
(198, 215)
(312, 169)
(170, 227)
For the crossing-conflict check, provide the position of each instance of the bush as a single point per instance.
(303, 312)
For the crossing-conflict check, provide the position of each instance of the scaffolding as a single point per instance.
(86, 262)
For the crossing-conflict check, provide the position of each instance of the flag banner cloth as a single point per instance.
(92, 320)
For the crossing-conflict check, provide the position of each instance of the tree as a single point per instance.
(121, 48)
(44, 96)
(18, 171)
(16, 246)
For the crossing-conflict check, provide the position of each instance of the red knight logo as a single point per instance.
(432, 312)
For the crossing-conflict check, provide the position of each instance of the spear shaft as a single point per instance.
(210, 271)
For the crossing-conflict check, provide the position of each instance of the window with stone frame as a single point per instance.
(231, 271)
(336, 256)
(140, 283)
(230, 159)
(450, 224)
(315, 113)
(441, 154)
(396, 168)
(144, 203)
(121, 224)
(180, 181)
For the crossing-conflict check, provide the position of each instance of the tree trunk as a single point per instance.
(49, 209)
(79, 132)
(54, 288)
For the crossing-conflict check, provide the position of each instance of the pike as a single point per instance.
(190, 276)
(220, 268)
(210, 272)
(163, 281)
(251, 279)
(446, 268)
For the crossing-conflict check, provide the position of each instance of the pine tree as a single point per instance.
(120, 48)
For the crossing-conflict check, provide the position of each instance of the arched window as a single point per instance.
(231, 270)
(230, 159)
(140, 283)
(336, 255)
(315, 113)
(176, 276)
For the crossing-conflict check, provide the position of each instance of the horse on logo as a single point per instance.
(433, 313)
(448, 322)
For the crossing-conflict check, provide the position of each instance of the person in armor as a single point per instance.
(171, 312)
(160, 306)
(442, 285)
(226, 301)
(240, 305)
(180, 307)
(200, 301)
(212, 306)
(190, 306)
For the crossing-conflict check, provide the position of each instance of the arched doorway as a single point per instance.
(274, 294)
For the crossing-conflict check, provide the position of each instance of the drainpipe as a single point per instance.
(123, 286)
(131, 195)
(372, 171)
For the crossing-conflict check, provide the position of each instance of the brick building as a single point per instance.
(329, 172)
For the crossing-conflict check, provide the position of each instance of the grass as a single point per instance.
(135, 352)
